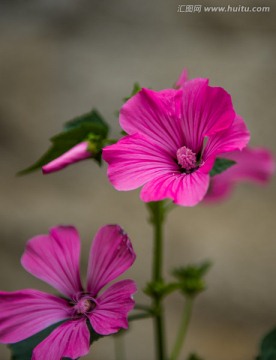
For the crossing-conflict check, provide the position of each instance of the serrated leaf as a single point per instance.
(221, 165)
(75, 131)
(268, 346)
(22, 350)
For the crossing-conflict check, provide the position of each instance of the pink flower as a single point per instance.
(77, 153)
(252, 164)
(54, 258)
(173, 139)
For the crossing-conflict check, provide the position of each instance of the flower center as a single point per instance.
(186, 158)
(84, 305)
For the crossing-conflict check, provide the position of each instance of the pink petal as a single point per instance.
(110, 314)
(77, 153)
(70, 339)
(26, 312)
(54, 258)
(206, 111)
(185, 190)
(156, 115)
(252, 164)
(111, 255)
(182, 79)
(235, 137)
(134, 160)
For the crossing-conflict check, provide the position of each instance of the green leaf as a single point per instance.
(75, 131)
(93, 119)
(221, 165)
(268, 346)
(22, 350)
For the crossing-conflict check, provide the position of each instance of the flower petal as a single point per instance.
(183, 189)
(134, 160)
(111, 255)
(77, 153)
(26, 312)
(110, 313)
(235, 137)
(70, 339)
(252, 164)
(206, 110)
(156, 115)
(54, 258)
(183, 78)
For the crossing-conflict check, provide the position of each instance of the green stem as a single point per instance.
(157, 219)
(187, 312)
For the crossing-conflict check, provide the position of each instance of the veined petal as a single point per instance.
(110, 314)
(70, 339)
(134, 160)
(252, 164)
(26, 312)
(54, 258)
(235, 137)
(206, 111)
(183, 189)
(155, 115)
(77, 153)
(111, 255)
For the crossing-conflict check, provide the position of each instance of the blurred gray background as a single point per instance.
(60, 58)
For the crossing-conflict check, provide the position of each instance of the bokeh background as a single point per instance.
(60, 58)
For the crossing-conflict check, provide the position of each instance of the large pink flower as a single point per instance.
(54, 258)
(252, 164)
(173, 139)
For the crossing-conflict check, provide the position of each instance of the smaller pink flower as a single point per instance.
(77, 153)
(252, 164)
(54, 258)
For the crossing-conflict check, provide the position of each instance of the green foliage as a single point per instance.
(90, 126)
(268, 346)
(190, 278)
(22, 350)
(221, 165)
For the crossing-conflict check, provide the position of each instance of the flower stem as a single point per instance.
(187, 312)
(157, 219)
